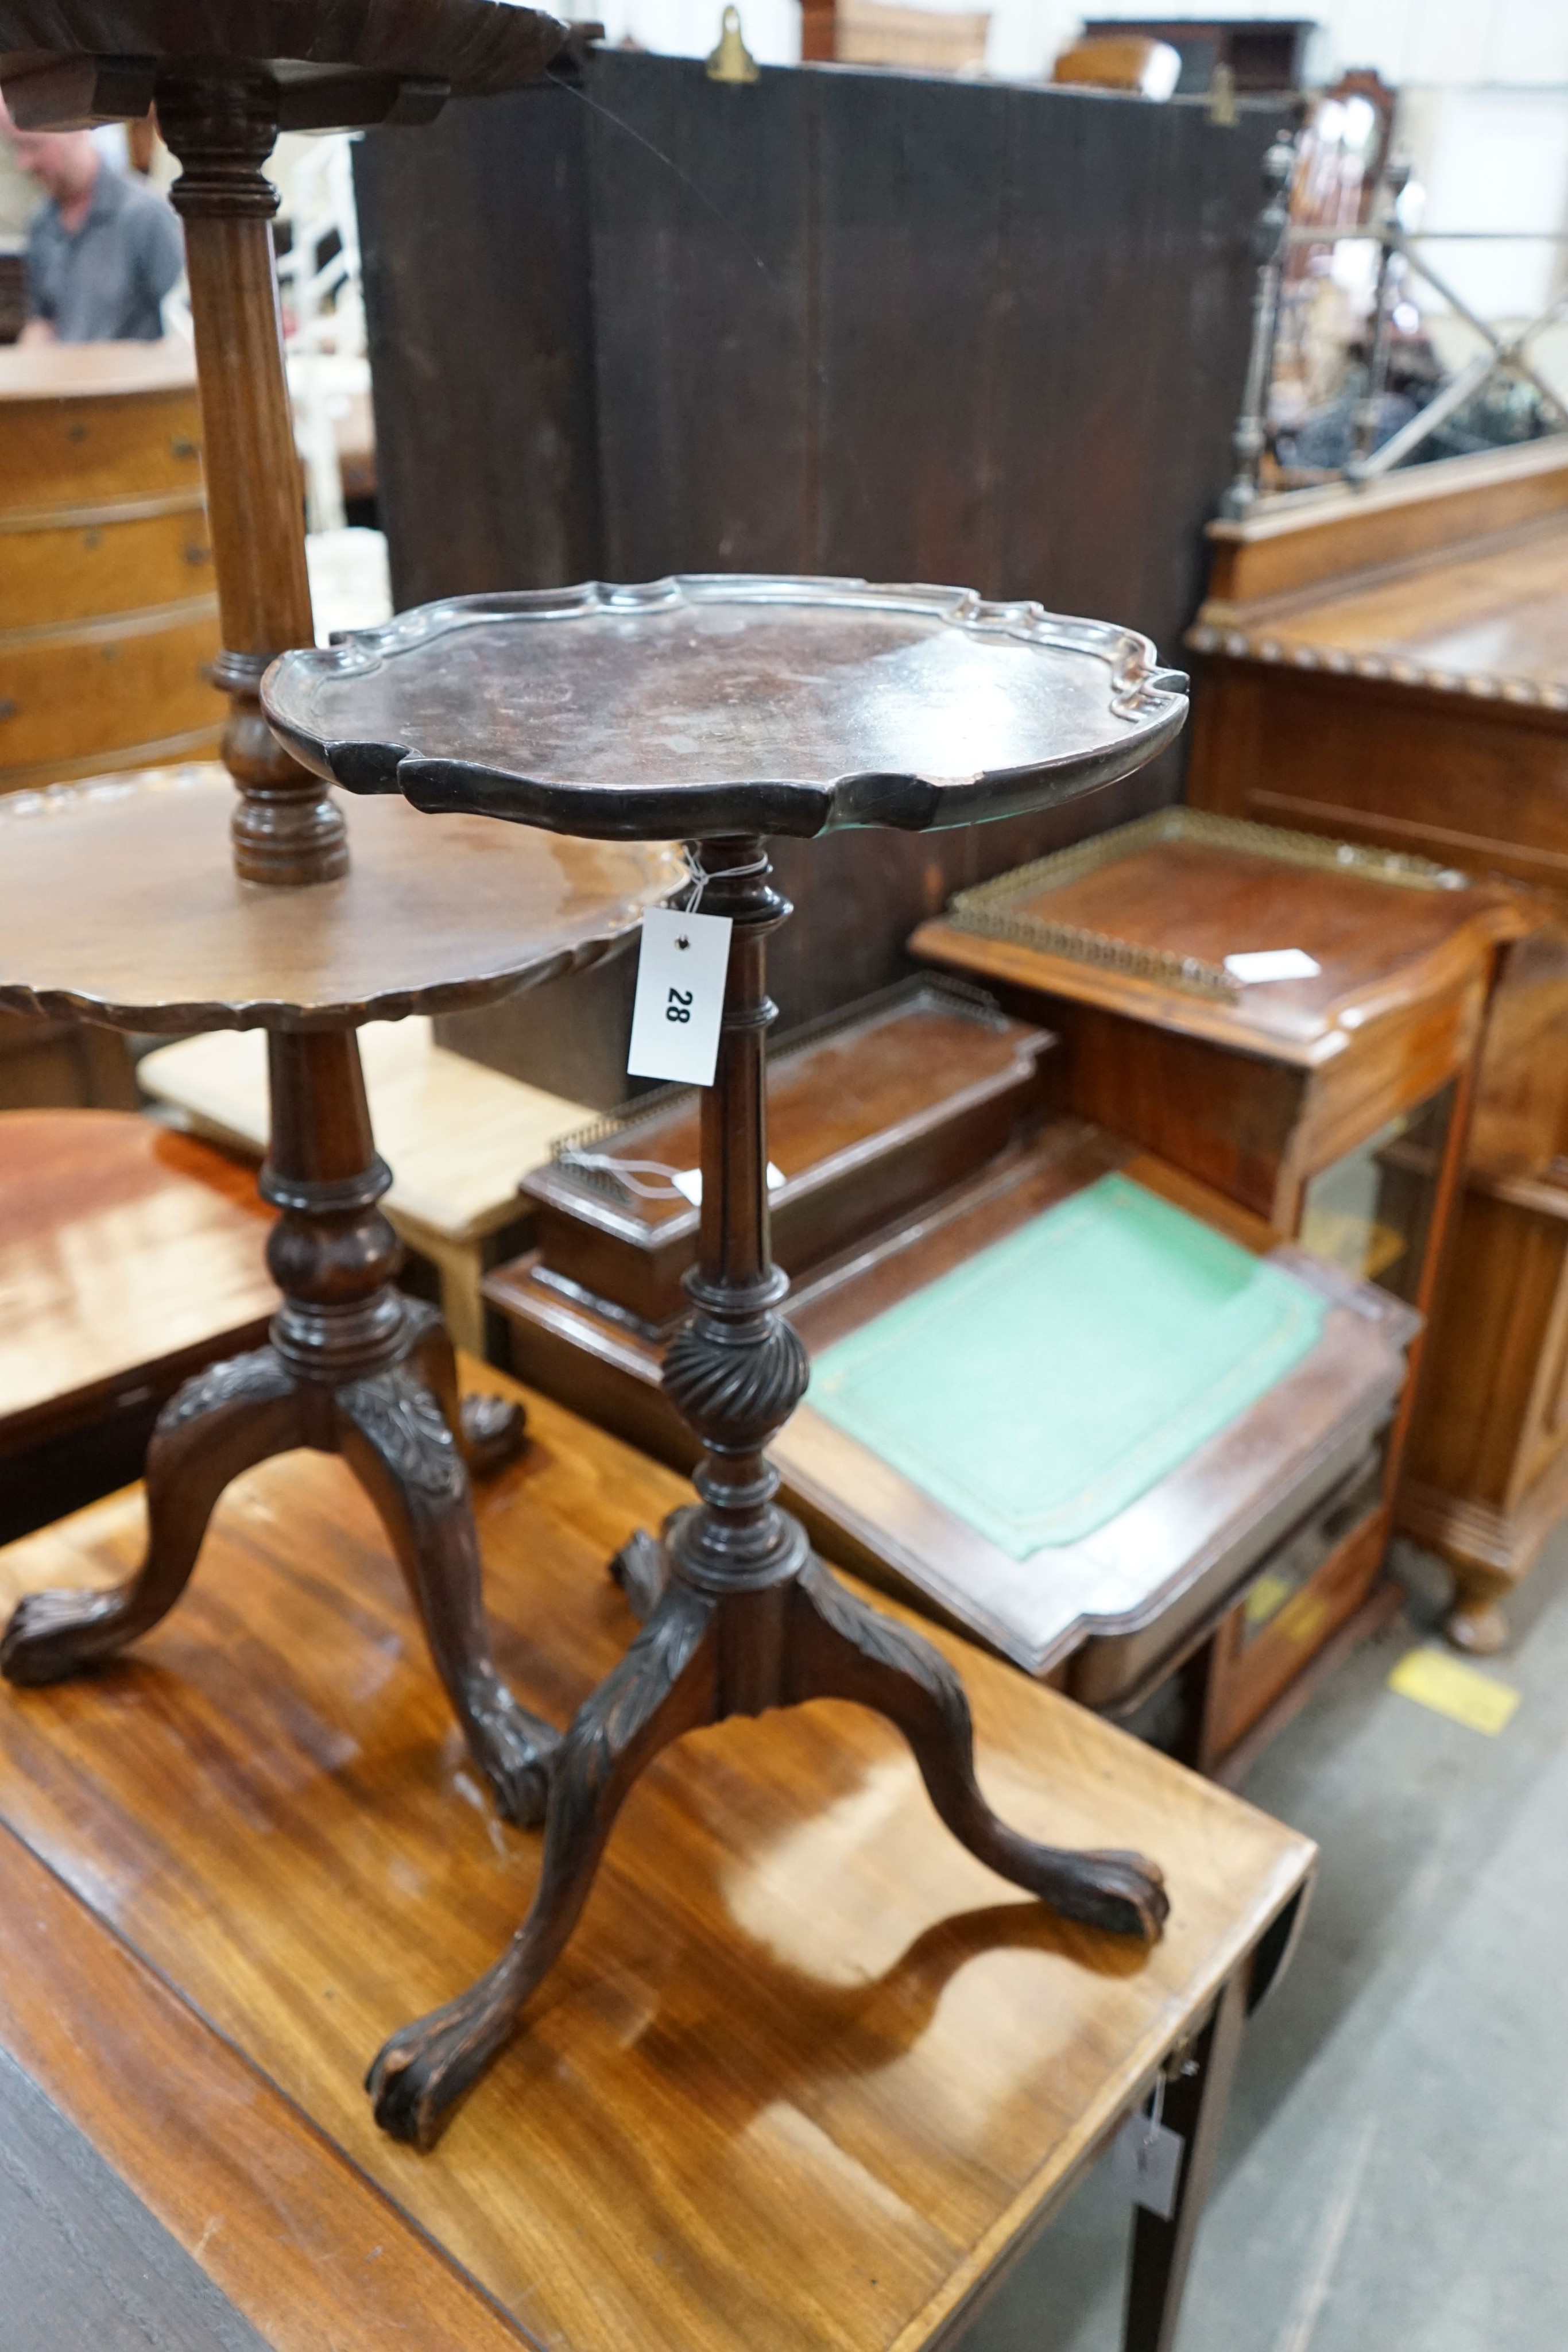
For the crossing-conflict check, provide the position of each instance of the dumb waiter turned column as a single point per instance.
(353, 1367)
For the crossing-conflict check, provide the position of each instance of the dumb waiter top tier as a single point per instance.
(728, 703)
(65, 62)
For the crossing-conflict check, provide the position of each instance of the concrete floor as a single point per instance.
(1394, 2173)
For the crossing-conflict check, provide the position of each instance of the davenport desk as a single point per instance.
(807, 2076)
(1330, 1097)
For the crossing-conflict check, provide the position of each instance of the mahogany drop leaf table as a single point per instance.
(724, 709)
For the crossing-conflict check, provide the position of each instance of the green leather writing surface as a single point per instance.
(1040, 1388)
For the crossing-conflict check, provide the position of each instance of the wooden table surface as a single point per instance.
(124, 1251)
(807, 2072)
(119, 903)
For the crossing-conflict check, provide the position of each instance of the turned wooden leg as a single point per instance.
(664, 1687)
(222, 1422)
(1475, 1623)
(837, 1647)
(397, 1439)
(490, 1430)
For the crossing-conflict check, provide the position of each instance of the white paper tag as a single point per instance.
(680, 996)
(689, 1180)
(1272, 963)
(1146, 2163)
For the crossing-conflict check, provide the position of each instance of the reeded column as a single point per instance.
(287, 828)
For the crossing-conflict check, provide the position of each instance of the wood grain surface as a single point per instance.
(120, 902)
(124, 1251)
(291, 2235)
(807, 2072)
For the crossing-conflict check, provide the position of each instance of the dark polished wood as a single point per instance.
(118, 900)
(739, 1616)
(807, 2074)
(283, 2227)
(616, 711)
(708, 368)
(128, 1259)
(1261, 1090)
(704, 705)
(350, 1367)
(870, 1114)
(1392, 666)
(119, 903)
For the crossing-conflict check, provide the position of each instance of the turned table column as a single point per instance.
(286, 828)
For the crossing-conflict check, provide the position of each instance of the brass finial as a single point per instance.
(732, 60)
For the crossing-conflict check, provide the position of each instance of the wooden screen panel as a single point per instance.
(843, 323)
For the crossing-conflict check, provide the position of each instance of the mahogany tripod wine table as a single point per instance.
(119, 903)
(722, 709)
(351, 1366)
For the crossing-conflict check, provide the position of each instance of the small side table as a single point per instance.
(119, 903)
(724, 708)
(809, 2076)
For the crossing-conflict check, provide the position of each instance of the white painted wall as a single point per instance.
(1514, 42)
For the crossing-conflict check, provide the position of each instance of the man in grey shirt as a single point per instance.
(102, 251)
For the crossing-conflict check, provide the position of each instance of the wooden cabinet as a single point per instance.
(1391, 664)
(1331, 1099)
(911, 1139)
(107, 615)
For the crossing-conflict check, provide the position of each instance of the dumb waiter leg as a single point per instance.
(1195, 2106)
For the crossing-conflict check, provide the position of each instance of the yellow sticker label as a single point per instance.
(1432, 1679)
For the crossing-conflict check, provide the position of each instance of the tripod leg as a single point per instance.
(488, 1429)
(222, 1421)
(664, 1687)
(395, 1436)
(838, 1648)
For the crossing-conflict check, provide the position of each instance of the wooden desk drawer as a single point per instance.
(61, 571)
(78, 453)
(108, 688)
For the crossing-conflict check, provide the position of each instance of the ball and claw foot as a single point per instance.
(513, 1750)
(1122, 1893)
(493, 1433)
(420, 2073)
(53, 1635)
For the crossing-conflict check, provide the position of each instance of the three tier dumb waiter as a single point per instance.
(126, 905)
(723, 710)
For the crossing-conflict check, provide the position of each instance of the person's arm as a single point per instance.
(40, 326)
(161, 254)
